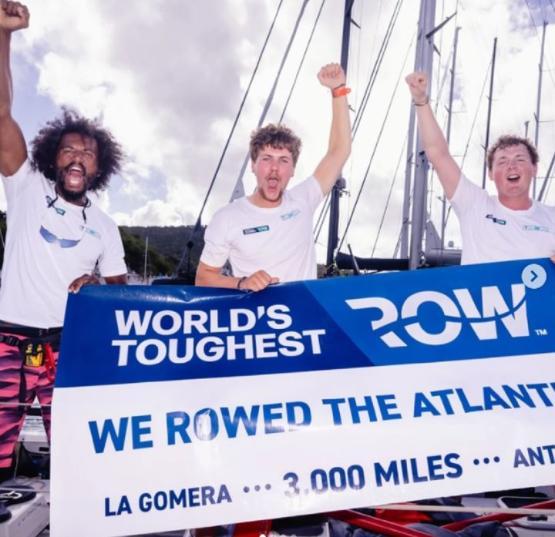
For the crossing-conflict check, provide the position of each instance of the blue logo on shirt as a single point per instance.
(257, 229)
(496, 220)
(290, 214)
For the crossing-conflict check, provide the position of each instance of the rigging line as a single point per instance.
(318, 220)
(548, 188)
(218, 166)
(238, 113)
(374, 33)
(325, 210)
(301, 62)
(439, 50)
(398, 244)
(443, 80)
(321, 215)
(471, 131)
(317, 229)
(438, 101)
(475, 115)
(197, 225)
(538, 36)
(531, 16)
(274, 85)
(547, 181)
(376, 67)
(382, 128)
(389, 196)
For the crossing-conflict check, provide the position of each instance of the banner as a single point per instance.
(183, 407)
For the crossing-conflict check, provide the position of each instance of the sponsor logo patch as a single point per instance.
(257, 229)
(290, 214)
(496, 220)
(545, 229)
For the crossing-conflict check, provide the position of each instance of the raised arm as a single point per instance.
(13, 152)
(332, 76)
(435, 144)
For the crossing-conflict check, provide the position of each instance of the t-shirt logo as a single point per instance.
(290, 214)
(257, 229)
(496, 220)
(532, 227)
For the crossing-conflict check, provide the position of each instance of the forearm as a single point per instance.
(433, 139)
(339, 147)
(437, 150)
(120, 279)
(13, 150)
(5, 75)
(214, 278)
(340, 130)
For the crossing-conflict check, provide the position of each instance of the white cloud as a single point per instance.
(167, 78)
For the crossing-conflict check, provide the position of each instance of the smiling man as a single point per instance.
(56, 239)
(508, 226)
(267, 236)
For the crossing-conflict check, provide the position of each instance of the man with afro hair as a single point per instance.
(56, 241)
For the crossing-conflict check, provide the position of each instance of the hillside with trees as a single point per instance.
(166, 246)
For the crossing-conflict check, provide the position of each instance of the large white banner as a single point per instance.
(185, 408)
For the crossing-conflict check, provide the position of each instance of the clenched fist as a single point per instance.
(418, 86)
(13, 16)
(257, 281)
(331, 76)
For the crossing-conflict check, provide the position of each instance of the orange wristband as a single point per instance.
(340, 91)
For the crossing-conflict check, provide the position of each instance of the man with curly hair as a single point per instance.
(56, 240)
(508, 226)
(267, 236)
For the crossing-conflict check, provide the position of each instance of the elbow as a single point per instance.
(348, 149)
(202, 279)
(5, 111)
(340, 154)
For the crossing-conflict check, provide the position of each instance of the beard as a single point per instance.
(71, 195)
(276, 198)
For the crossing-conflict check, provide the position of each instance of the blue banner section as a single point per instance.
(116, 335)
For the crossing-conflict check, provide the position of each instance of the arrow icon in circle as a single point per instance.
(534, 276)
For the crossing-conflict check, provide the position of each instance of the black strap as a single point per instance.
(12, 341)
(29, 331)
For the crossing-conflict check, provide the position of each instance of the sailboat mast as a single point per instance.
(333, 230)
(448, 131)
(538, 100)
(423, 62)
(488, 122)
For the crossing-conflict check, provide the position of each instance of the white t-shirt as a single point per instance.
(492, 232)
(278, 240)
(48, 247)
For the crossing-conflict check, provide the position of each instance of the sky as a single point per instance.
(167, 77)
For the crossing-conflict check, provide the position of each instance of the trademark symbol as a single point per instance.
(541, 332)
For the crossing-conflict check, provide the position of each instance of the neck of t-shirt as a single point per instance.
(516, 204)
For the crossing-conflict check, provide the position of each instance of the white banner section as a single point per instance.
(183, 454)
